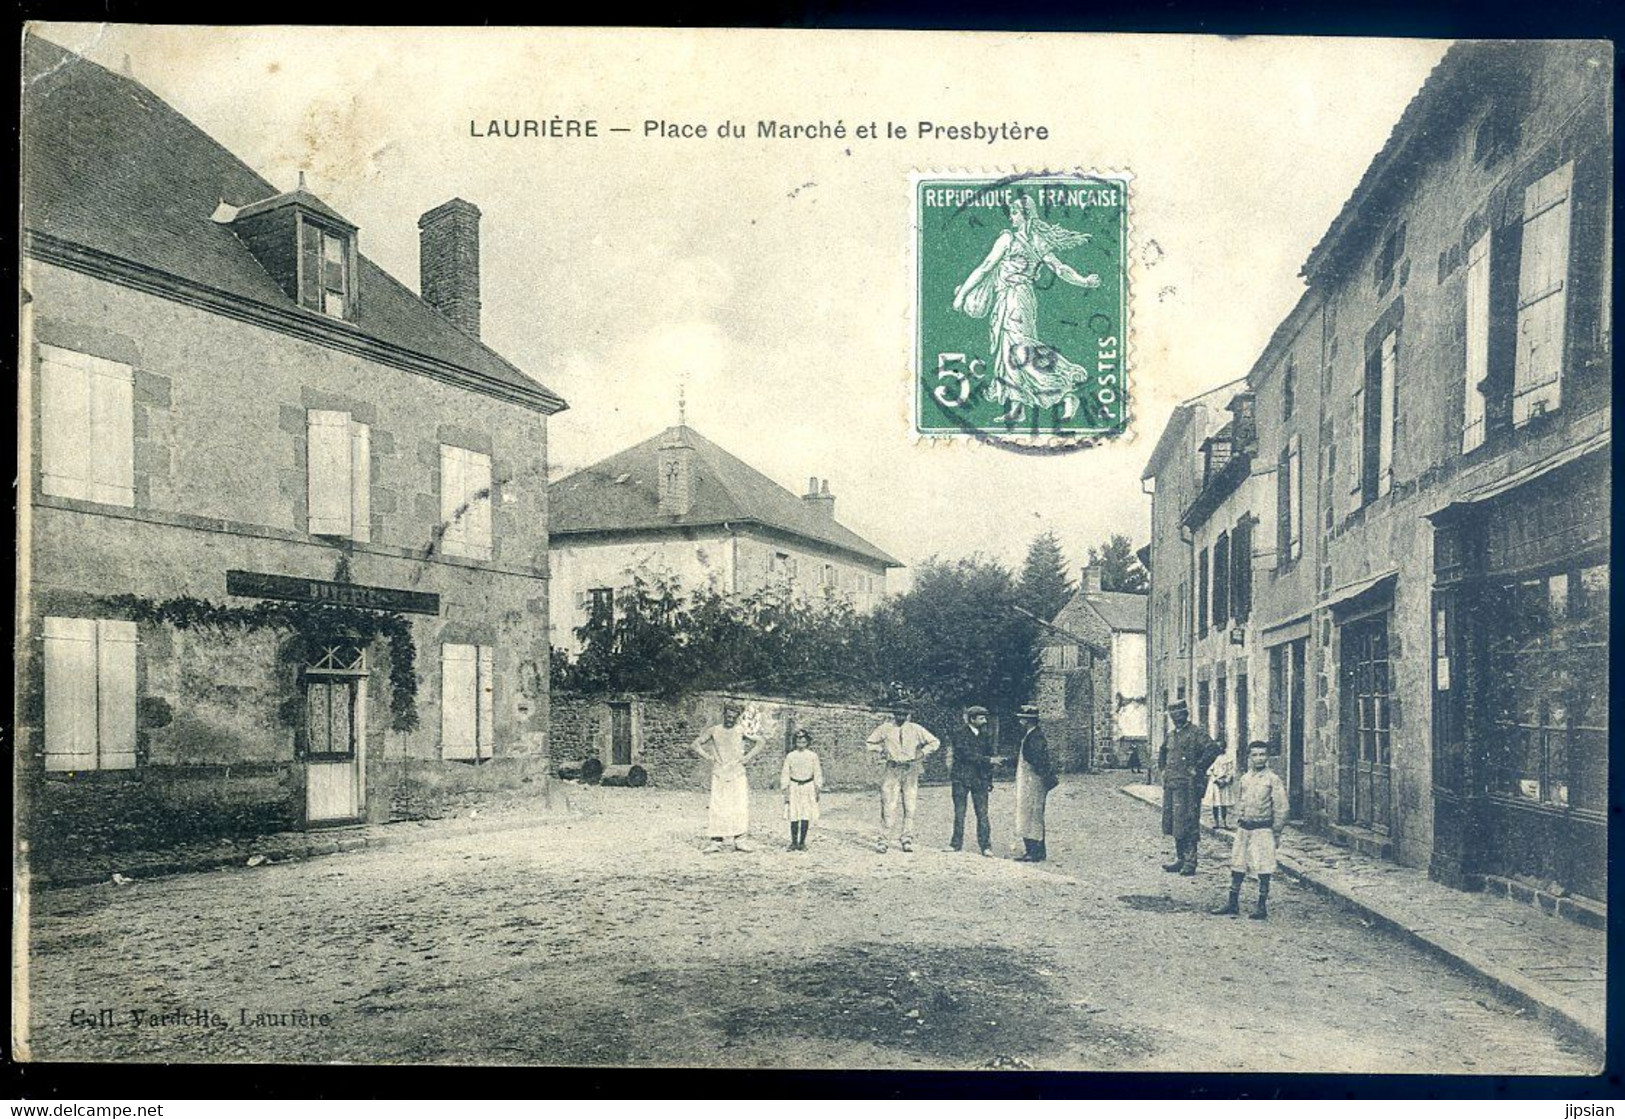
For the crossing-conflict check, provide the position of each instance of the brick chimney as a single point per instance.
(675, 463)
(449, 262)
(819, 497)
(1091, 579)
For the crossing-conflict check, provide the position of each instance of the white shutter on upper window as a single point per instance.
(112, 434)
(115, 693)
(452, 489)
(477, 516)
(1478, 343)
(1386, 415)
(360, 482)
(1543, 268)
(330, 473)
(459, 703)
(64, 424)
(486, 728)
(70, 694)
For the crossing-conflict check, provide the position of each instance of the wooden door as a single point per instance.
(334, 731)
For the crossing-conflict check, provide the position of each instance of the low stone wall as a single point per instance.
(661, 730)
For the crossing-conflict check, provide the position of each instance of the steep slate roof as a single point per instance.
(110, 167)
(726, 491)
(1121, 611)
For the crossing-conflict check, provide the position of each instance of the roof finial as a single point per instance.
(682, 405)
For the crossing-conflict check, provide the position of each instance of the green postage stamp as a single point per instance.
(1021, 312)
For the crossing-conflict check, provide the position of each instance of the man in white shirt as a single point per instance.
(903, 745)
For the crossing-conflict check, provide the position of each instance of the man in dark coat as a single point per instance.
(1035, 777)
(970, 769)
(1184, 778)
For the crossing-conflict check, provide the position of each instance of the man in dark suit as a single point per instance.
(970, 770)
(1035, 777)
(1189, 752)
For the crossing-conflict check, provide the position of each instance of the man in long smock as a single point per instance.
(724, 745)
(1035, 777)
(1184, 779)
(903, 744)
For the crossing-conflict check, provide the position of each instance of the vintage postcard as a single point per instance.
(813, 550)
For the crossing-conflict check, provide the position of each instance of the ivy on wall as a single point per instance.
(310, 625)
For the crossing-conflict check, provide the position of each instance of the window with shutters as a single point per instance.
(1221, 581)
(1288, 505)
(1182, 622)
(326, 268)
(602, 606)
(1543, 269)
(340, 485)
(1377, 402)
(467, 707)
(465, 502)
(1241, 569)
(1478, 344)
(89, 694)
(87, 440)
(1201, 594)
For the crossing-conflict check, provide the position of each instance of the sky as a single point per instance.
(771, 281)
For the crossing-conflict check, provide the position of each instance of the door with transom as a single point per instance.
(335, 683)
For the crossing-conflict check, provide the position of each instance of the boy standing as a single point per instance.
(1260, 817)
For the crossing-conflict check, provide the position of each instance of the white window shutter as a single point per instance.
(451, 500)
(330, 473)
(458, 703)
(1356, 461)
(487, 702)
(477, 516)
(1542, 296)
(1478, 343)
(115, 657)
(1387, 388)
(360, 482)
(111, 449)
(64, 424)
(70, 694)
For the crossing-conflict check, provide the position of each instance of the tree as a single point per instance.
(1045, 586)
(1120, 568)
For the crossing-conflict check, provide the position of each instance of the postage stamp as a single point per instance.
(1021, 312)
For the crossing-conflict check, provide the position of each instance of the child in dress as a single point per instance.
(1221, 789)
(801, 778)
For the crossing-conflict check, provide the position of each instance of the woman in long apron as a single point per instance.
(723, 745)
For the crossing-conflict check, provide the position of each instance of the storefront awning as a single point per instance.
(1355, 597)
(1488, 492)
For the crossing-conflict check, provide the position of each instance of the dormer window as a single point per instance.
(306, 246)
(324, 269)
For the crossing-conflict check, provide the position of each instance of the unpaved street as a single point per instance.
(608, 937)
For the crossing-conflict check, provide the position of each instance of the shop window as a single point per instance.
(465, 502)
(340, 476)
(467, 710)
(1548, 674)
(1542, 297)
(89, 694)
(87, 439)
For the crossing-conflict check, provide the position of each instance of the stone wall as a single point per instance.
(663, 728)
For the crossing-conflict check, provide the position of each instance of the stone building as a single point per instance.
(678, 507)
(1091, 685)
(284, 520)
(1433, 424)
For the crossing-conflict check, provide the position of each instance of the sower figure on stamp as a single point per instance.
(1035, 777)
(970, 771)
(1261, 807)
(1184, 778)
(903, 745)
(724, 746)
